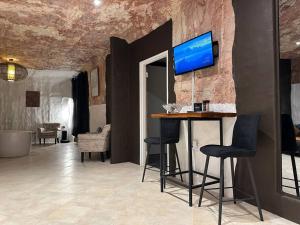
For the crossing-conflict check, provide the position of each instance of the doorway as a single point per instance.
(153, 94)
(156, 97)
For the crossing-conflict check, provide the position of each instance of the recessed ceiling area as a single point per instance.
(73, 35)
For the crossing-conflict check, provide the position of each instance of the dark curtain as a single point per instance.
(285, 85)
(80, 92)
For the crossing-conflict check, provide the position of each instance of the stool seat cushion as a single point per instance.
(226, 151)
(295, 151)
(156, 140)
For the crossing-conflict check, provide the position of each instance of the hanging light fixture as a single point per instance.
(11, 71)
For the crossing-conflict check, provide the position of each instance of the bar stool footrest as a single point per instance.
(229, 200)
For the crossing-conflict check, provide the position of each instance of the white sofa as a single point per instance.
(15, 143)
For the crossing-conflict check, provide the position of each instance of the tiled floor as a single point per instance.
(287, 172)
(52, 187)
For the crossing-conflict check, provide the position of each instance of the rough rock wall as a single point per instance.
(289, 21)
(74, 35)
(192, 18)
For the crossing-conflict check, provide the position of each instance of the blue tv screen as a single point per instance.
(194, 54)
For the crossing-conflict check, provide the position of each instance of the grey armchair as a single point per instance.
(94, 142)
(48, 130)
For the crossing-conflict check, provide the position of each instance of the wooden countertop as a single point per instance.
(208, 115)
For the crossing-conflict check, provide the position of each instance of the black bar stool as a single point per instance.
(170, 135)
(290, 147)
(243, 146)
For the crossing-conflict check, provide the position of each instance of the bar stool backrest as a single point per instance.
(170, 129)
(288, 136)
(245, 132)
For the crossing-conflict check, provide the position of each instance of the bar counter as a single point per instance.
(190, 117)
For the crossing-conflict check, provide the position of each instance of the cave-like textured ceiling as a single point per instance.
(73, 34)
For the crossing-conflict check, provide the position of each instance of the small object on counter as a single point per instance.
(198, 107)
(168, 107)
(206, 105)
(187, 108)
(172, 108)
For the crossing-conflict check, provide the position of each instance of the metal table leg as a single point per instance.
(190, 162)
(222, 143)
(221, 132)
(161, 158)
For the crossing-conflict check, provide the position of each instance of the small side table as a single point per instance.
(64, 137)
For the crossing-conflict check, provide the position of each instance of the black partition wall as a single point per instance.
(256, 69)
(152, 44)
(120, 100)
(108, 88)
(123, 89)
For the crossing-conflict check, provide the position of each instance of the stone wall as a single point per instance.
(192, 18)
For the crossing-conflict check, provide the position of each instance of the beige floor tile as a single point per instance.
(52, 187)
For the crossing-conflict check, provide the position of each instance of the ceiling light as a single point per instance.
(97, 2)
(11, 71)
(298, 43)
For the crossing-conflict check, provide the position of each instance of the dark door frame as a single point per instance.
(256, 76)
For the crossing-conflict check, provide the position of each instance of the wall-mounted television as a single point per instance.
(194, 54)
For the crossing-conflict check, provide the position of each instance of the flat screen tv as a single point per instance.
(194, 54)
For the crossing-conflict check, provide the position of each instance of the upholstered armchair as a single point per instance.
(48, 130)
(98, 142)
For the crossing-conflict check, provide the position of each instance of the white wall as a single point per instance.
(56, 92)
(295, 103)
(97, 117)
